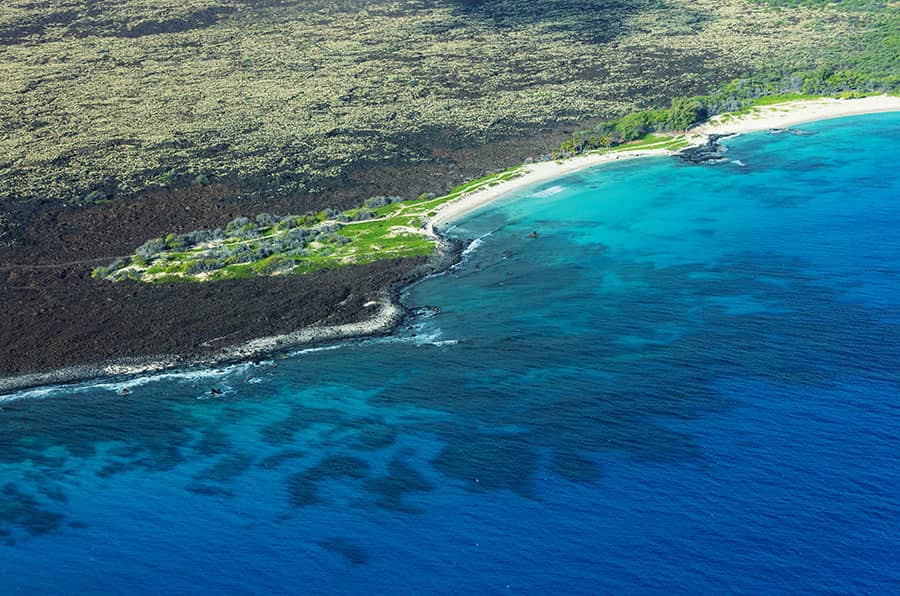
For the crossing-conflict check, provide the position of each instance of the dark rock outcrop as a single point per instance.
(710, 152)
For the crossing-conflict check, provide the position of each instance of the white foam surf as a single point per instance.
(549, 192)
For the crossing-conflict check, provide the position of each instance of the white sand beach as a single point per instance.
(793, 113)
(761, 118)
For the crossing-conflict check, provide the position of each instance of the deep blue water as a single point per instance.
(688, 382)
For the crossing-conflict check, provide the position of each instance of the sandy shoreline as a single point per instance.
(389, 313)
(535, 174)
(759, 119)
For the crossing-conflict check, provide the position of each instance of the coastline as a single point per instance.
(388, 316)
(390, 312)
(382, 322)
(775, 116)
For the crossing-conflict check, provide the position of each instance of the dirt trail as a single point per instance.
(59, 265)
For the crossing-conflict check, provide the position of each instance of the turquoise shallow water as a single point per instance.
(687, 382)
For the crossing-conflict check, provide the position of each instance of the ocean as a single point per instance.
(648, 377)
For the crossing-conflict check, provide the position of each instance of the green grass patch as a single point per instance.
(277, 245)
(769, 100)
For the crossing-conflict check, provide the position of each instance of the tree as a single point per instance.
(684, 112)
(633, 126)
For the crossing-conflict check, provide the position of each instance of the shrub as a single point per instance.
(240, 253)
(151, 248)
(633, 126)
(310, 219)
(288, 222)
(236, 224)
(293, 239)
(174, 241)
(267, 220)
(274, 266)
(203, 266)
(363, 215)
(684, 112)
(111, 269)
(246, 232)
(201, 237)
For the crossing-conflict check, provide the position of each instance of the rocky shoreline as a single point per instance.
(391, 312)
(390, 315)
(711, 151)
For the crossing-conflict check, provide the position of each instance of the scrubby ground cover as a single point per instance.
(106, 98)
(383, 228)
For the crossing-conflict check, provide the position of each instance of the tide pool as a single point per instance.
(686, 382)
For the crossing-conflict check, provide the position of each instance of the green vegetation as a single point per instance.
(636, 128)
(738, 97)
(106, 98)
(383, 228)
(844, 67)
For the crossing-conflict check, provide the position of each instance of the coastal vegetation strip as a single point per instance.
(684, 113)
(382, 228)
(870, 66)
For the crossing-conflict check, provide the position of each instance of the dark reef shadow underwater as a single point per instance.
(688, 381)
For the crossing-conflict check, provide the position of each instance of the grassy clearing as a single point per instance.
(384, 228)
(780, 98)
(647, 142)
